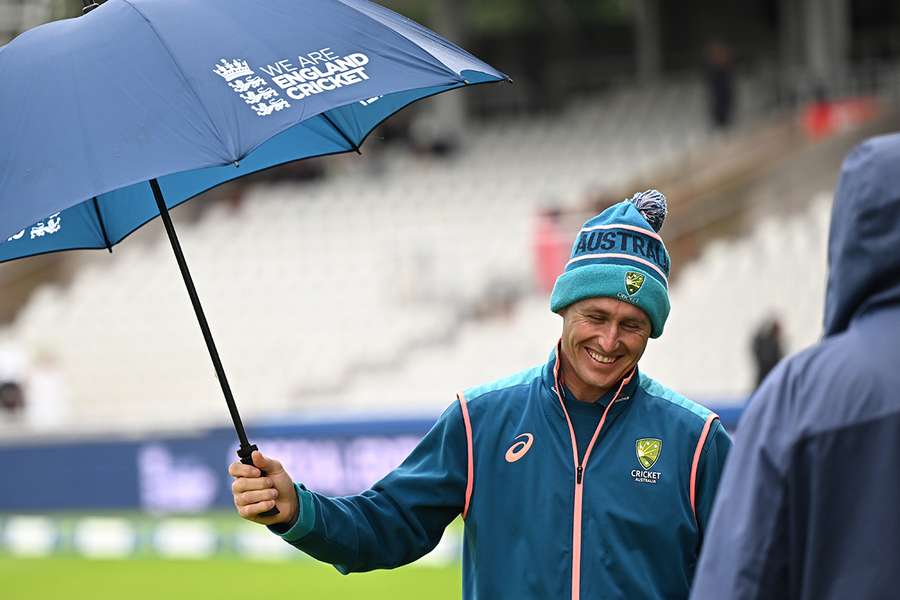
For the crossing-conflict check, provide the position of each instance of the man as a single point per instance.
(766, 347)
(577, 478)
(808, 505)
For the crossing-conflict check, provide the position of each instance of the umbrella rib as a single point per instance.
(102, 224)
(184, 78)
(346, 137)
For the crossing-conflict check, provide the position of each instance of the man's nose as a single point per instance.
(608, 339)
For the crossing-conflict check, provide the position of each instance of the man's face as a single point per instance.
(602, 340)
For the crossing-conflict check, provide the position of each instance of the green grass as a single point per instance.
(65, 578)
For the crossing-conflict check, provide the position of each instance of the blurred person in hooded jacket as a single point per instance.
(807, 507)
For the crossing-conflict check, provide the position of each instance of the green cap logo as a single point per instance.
(633, 282)
(647, 450)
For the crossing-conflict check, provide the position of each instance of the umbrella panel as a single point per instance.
(106, 221)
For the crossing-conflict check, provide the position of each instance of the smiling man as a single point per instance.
(579, 478)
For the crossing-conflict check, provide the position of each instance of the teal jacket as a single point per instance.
(622, 518)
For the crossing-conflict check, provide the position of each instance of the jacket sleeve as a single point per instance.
(398, 520)
(709, 472)
(744, 555)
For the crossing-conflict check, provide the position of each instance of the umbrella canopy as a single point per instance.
(193, 94)
(110, 119)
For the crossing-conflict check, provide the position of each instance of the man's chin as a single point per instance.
(605, 384)
(610, 378)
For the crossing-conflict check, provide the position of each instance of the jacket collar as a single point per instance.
(552, 372)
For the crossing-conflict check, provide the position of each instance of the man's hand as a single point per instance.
(254, 494)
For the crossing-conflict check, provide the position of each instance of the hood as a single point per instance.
(864, 240)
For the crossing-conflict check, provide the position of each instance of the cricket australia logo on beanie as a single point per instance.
(633, 282)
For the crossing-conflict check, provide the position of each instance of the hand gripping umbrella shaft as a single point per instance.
(246, 450)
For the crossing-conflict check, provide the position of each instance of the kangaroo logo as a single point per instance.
(519, 448)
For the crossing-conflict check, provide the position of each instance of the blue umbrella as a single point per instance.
(111, 119)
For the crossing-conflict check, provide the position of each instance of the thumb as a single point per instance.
(269, 465)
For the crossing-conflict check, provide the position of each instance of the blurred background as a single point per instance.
(352, 296)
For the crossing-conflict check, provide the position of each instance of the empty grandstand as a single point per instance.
(412, 275)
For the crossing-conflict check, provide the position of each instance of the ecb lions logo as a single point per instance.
(293, 79)
(647, 451)
(633, 282)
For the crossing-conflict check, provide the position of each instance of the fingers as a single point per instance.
(245, 484)
(254, 497)
(250, 503)
(270, 465)
(255, 493)
(239, 469)
(252, 510)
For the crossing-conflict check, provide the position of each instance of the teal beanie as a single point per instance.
(619, 254)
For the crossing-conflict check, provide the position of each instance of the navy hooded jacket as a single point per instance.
(809, 505)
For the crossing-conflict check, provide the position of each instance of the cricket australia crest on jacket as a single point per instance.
(647, 451)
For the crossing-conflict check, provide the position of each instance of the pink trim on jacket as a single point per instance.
(697, 451)
(576, 543)
(579, 485)
(563, 406)
(470, 470)
(590, 447)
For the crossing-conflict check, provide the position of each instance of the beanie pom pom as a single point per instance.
(652, 205)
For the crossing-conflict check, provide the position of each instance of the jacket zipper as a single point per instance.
(579, 475)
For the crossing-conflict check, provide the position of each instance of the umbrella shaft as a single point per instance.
(198, 310)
